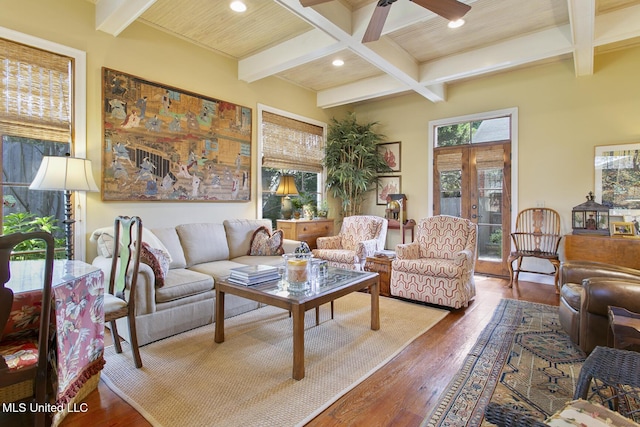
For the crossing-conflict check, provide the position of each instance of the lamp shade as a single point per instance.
(64, 173)
(287, 186)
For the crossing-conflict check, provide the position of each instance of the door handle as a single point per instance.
(474, 207)
(474, 216)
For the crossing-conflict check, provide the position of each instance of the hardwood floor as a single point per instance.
(401, 393)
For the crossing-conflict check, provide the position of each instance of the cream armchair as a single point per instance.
(438, 266)
(360, 236)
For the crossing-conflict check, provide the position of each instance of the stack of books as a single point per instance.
(253, 274)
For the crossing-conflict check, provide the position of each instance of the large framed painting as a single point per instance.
(391, 153)
(617, 172)
(166, 144)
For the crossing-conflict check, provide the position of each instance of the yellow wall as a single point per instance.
(561, 119)
(145, 52)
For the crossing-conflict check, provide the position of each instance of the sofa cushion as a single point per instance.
(105, 245)
(239, 233)
(158, 260)
(204, 242)
(104, 238)
(263, 243)
(181, 283)
(171, 241)
(217, 269)
(260, 260)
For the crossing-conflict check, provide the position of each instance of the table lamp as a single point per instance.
(286, 188)
(68, 174)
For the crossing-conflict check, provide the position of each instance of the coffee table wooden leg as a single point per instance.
(375, 305)
(298, 342)
(219, 335)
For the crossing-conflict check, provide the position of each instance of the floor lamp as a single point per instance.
(68, 174)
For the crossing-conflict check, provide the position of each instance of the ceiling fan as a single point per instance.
(449, 9)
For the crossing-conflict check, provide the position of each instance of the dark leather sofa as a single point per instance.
(588, 289)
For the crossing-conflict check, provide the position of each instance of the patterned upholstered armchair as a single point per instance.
(438, 266)
(359, 237)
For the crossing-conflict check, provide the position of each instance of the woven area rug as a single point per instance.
(522, 358)
(189, 380)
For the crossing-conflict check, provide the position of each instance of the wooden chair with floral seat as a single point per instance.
(537, 235)
(24, 367)
(119, 298)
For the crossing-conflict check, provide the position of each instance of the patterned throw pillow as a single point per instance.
(263, 243)
(158, 260)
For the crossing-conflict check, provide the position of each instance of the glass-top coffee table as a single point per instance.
(338, 283)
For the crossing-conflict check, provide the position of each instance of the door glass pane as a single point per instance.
(451, 192)
(490, 213)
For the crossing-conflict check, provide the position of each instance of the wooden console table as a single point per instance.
(622, 251)
(305, 230)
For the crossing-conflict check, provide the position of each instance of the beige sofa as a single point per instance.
(200, 254)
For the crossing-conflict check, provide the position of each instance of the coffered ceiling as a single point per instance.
(417, 51)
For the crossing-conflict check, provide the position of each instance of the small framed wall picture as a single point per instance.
(391, 153)
(622, 229)
(387, 185)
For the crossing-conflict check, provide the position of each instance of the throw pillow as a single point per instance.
(158, 260)
(263, 243)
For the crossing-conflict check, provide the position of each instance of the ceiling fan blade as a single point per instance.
(307, 3)
(374, 29)
(448, 9)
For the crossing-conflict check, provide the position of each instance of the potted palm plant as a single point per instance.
(353, 161)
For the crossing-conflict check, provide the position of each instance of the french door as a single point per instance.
(473, 182)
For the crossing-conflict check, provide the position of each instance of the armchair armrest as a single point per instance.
(601, 292)
(366, 248)
(465, 257)
(329, 242)
(577, 271)
(408, 250)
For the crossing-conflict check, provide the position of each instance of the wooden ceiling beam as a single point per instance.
(616, 26)
(113, 16)
(582, 18)
(534, 47)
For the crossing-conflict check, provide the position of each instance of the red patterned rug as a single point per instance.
(522, 358)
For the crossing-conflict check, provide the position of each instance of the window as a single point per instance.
(474, 132)
(37, 112)
(289, 145)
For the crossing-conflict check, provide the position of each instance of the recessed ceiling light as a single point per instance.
(338, 62)
(455, 24)
(238, 6)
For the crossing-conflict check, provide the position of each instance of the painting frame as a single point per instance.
(391, 152)
(622, 229)
(387, 185)
(161, 143)
(617, 178)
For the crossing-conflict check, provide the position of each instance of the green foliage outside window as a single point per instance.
(22, 222)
